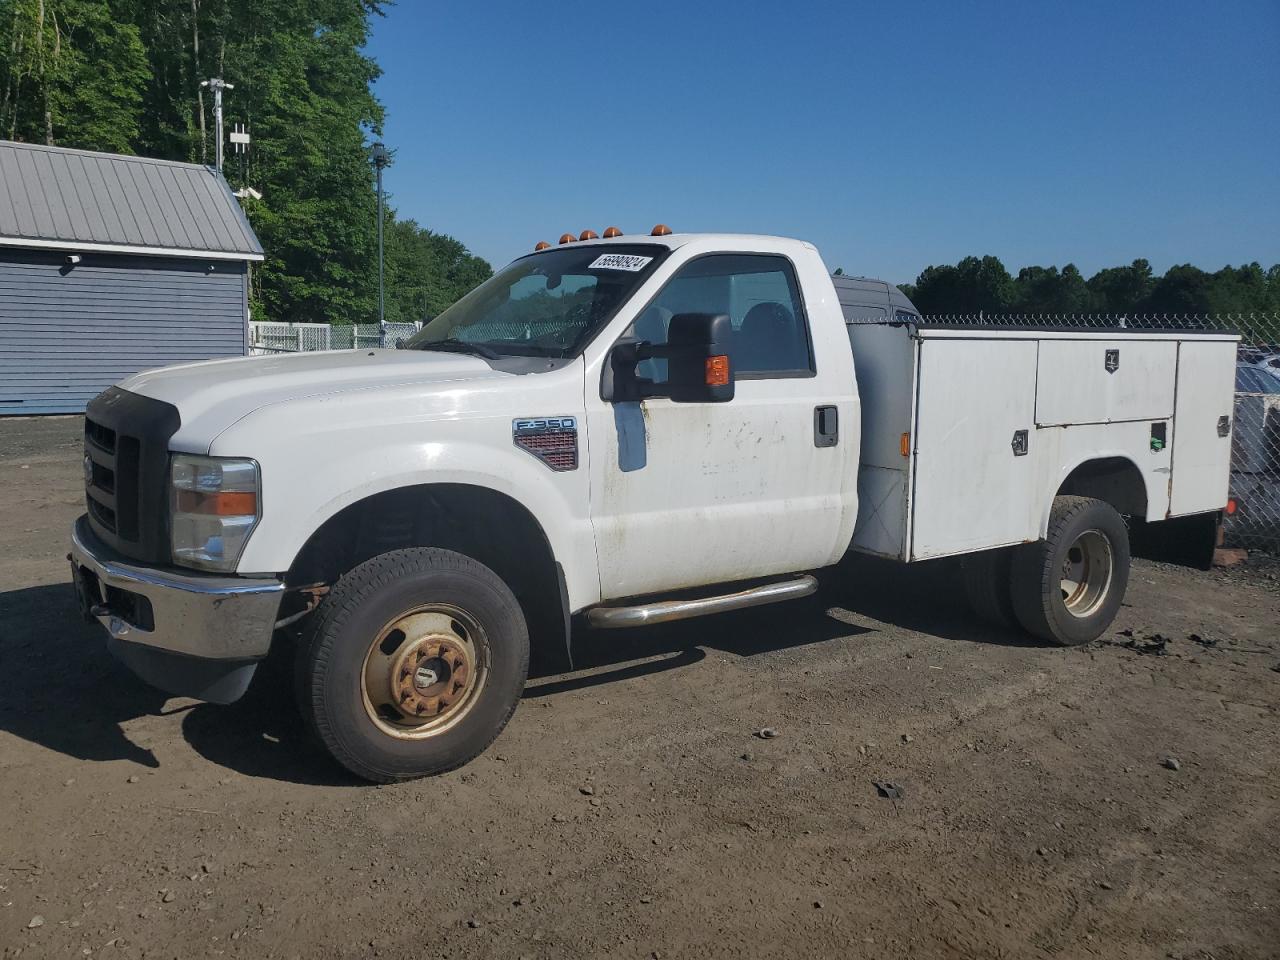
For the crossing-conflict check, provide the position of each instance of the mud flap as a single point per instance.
(566, 616)
(1186, 541)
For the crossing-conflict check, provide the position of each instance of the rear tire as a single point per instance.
(1068, 587)
(413, 664)
(986, 578)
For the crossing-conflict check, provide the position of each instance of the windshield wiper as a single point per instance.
(453, 345)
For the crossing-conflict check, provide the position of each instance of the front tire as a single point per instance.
(1068, 587)
(413, 664)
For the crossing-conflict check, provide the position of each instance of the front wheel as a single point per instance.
(413, 664)
(1068, 587)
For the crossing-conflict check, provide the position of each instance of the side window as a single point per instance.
(759, 293)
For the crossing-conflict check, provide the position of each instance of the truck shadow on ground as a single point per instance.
(62, 689)
(262, 735)
(924, 597)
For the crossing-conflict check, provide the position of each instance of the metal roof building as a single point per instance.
(109, 265)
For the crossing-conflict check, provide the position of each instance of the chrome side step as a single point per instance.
(662, 611)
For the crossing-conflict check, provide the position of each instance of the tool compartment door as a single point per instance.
(971, 490)
(1201, 445)
(1088, 380)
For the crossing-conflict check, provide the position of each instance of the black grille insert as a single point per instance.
(103, 514)
(101, 437)
(126, 472)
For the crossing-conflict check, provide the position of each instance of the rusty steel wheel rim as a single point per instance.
(1086, 573)
(424, 671)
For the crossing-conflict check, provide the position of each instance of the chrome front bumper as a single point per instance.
(161, 621)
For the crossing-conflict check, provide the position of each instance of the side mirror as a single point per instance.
(699, 365)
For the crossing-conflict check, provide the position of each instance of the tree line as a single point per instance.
(984, 284)
(124, 76)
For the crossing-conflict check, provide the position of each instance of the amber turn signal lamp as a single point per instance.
(904, 445)
(567, 238)
(1231, 506)
(717, 371)
(611, 232)
(224, 503)
(588, 235)
(541, 245)
(661, 230)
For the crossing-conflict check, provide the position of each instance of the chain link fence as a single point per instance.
(1255, 441)
(305, 337)
(1255, 450)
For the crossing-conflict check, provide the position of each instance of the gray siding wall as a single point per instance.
(69, 332)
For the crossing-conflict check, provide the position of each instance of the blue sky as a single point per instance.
(892, 135)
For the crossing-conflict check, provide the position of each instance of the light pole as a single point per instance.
(380, 160)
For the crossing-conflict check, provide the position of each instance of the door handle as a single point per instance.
(826, 426)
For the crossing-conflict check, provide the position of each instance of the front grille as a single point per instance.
(111, 479)
(101, 437)
(103, 479)
(102, 513)
(126, 459)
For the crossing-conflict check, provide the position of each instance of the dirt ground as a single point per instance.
(630, 810)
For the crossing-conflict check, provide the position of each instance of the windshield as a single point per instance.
(548, 304)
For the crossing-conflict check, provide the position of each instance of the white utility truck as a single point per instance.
(632, 429)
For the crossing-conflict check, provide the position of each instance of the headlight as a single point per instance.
(215, 504)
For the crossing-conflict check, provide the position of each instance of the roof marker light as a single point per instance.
(588, 235)
(611, 232)
(661, 230)
(541, 245)
(567, 238)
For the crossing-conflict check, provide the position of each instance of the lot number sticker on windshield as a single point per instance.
(619, 261)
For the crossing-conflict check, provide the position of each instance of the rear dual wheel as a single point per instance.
(413, 664)
(1066, 588)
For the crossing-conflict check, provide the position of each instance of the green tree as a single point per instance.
(1246, 289)
(973, 285)
(1121, 290)
(303, 86)
(1046, 290)
(71, 74)
(426, 272)
(1183, 289)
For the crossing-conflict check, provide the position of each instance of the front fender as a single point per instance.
(308, 476)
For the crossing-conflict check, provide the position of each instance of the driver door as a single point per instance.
(686, 494)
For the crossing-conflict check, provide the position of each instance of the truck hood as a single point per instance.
(213, 394)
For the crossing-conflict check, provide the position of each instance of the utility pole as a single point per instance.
(380, 160)
(217, 85)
